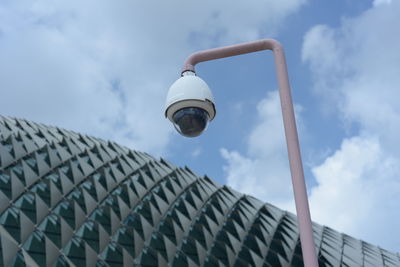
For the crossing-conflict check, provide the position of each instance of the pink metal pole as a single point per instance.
(292, 140)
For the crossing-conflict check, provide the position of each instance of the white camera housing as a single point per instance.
(191, 96)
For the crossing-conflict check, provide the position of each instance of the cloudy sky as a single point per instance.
(104, 67)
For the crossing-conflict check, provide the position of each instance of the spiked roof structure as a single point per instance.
(68, 199)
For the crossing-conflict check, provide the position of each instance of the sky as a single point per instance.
(103, 68)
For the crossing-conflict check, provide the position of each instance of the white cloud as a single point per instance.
(197, 152)
(358, 192)
(264, 171)
(356, 70)
(103, 67)
(381, 2)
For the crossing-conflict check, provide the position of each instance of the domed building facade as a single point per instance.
(67, 199)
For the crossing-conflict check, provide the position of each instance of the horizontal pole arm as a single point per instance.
(229, 51)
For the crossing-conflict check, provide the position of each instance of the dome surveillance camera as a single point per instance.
(190, 105)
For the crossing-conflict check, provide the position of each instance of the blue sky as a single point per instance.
(104, 67)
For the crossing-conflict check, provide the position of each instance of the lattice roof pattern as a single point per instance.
(68, 199)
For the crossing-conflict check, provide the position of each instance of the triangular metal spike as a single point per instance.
(52, 252)
(42, 166)
(183, 220)
(90, 202)
(40, 142)
(109, 151)
(18, 149)
(208, 237)
(77, 141)
(41, 208)
(239, 217)
(118, 175)
(170, 248)
(21, 124)
(192, 199)
(29, 145)
(10, 124)
(198, 232)
(124, 209)
(161, 205)
(100, 191)
(5, 132)
(59, 133)
(9, 247)
(144, 179)
(115, 147)
(46, 135)
(4, 202)
(138, 188)
(66, 183)
(125, 167)
(212, 225)
(104, 238)
(54, 159)
(103, 154)
(261, 232)
(17, 187)
(138, 157)
(153, 212)
(71, 146)
(127, 258)
(235, 244)
(147, 227)
(161, 193)
(133, 197)
(199, 192)
(85, 167)
(139, 243)
(262, 247)
(111, 183)
(27, 226)
(115, 221)
(28, 260)
(5, 157)
(77, 174)
(66, 232)
(230, 255)
(167, 164)
(173, 187)
(90, 255)
(235, 229)
(160, 169)
(33, 127)
(55, 194)
(132, 163)
(161, 261)
(30, 175)
(88, 140)
(96, 162)
(155, 176)
(201, 252)
(248, 212)
(214, 214)
(79, 215)
(62, 152)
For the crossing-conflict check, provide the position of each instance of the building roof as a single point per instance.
(68, 199)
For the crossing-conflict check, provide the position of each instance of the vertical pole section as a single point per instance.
(296, 166)
(292, 140)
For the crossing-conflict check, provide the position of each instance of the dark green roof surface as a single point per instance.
(68, 199)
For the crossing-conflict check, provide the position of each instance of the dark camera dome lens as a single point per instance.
(190, 122)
